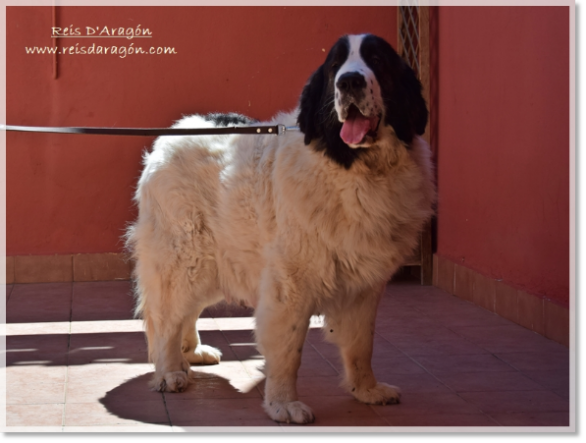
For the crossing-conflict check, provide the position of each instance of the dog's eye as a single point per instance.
(335, 65)
(375, 60)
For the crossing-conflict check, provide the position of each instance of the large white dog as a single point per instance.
(313, 221)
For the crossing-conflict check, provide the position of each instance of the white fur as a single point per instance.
(372, 103)
(270, 222)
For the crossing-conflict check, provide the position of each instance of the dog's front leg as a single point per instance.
(351, 327)
(172, 372)
(282, 321)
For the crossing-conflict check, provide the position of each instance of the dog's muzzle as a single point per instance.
(359, 119)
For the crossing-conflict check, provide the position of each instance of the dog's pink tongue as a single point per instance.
(354, 128)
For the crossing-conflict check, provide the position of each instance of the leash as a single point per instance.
(152, 132)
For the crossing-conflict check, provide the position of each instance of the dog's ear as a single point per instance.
(406, 109)
(310, 105)
(418, 113)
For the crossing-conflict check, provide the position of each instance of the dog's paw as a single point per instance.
(380, 394)
(204, 355)
(170, 382)
(289, 412)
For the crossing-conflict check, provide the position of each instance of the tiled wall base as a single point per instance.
(65, 268)
(538, 314)
(533, 312)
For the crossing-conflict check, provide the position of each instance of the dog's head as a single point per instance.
(362, 85)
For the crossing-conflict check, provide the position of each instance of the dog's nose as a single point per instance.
(351, 82)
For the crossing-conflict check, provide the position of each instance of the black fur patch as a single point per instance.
(405, 108)
(317, 117)
(229, 119)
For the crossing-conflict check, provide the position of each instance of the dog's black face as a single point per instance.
(362, 84)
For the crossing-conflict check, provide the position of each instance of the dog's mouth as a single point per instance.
(357, 128)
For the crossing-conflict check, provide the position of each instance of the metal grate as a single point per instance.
(409, 33)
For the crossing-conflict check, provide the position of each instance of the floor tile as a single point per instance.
(226, 369)
(563, 393)
(127, 427)
(314, 365)
(35, 429)
(213, 388)
(342, 411)
(217, 412)
(8, 291)
(243, 351)
(227, 310)
(411, 331)
(321, 386)
(128, 411)
(207, 324)
(384, 349)
(516, 401)
(507, 338)
(489, 381)
(96, 326)
(466, 314)
(235, 323)
(9, 260)
(419, 346)
(439, 420)
(114, 389)
(558, 381)
(247, 385)
(348, 419)
(405, 322)
(441, 364)
(255, 367)
(102, 301)
(35, 394)
(108, 371)
(456, 364)
(544, 360)
(34, 415)
(390, 366)
(533, 419)
(40, 328)
(24, 374)
(123, 347)
(417, 382)
(218, 340)
(426, 403)
(43, 350)
(236, 336)
(327, 350)
(42, 302)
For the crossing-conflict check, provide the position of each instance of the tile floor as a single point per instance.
(76, 361)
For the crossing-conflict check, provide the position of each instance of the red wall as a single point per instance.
(72, 193)
(503, 144)
(502, 134)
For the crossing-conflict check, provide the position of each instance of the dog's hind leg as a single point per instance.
(351, 327)
(191, 347)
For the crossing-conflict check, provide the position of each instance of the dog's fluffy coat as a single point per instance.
(291, 225)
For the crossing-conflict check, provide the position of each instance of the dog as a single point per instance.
(315, 221)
